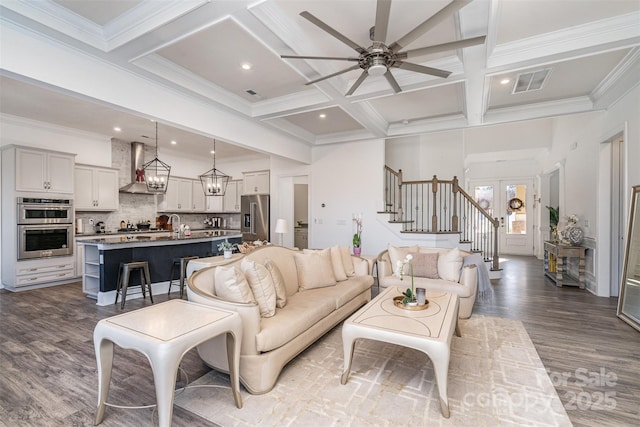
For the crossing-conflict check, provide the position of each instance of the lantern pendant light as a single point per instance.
(214, 182)
(156, 173)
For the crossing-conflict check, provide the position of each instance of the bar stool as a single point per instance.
(123, 279)
(180, 263)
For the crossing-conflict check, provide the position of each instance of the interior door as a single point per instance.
(511, 202)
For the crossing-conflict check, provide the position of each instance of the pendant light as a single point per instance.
(156, 173)
(214, 182)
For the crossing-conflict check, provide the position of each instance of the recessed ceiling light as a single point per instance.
(322, 115)
(246, 66)
(117, 129)
(405, 122)
(174, 142)
(212, 152)
(505, 81)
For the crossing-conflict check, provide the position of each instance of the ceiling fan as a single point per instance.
(379, 58)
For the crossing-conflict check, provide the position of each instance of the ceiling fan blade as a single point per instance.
(357, 83)
(392, 81)
(422, 69)
(441, 47)
(306, 15)
(382, 20)
(355, 67)
(318, 57)
(430, 23)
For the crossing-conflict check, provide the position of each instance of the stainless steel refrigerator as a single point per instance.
(255, 217)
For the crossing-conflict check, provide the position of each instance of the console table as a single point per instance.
(555, 255)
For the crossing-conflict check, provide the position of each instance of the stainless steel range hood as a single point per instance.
(137, 185)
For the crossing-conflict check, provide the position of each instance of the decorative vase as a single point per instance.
(357, 251)
(575, 235)
(227, 254)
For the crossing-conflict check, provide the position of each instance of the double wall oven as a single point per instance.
(45, 227)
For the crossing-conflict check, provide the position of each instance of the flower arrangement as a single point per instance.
(409, 294)
(357, 237)
(226, 246)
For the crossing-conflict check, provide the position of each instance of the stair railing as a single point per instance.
(438, 206)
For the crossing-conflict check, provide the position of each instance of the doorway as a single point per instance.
(511, 201)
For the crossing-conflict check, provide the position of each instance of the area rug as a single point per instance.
(495, 378)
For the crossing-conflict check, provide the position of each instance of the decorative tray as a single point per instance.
(397, 301)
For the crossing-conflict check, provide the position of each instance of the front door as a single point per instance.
(511, 202)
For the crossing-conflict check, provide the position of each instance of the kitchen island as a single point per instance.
(102, 258)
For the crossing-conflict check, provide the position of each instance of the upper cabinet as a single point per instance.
(232, 196)
(179, 196)
(256, 182)
(198, 202)
(96, 189)
(44, 171)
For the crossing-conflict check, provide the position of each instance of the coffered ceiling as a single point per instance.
(588, 50)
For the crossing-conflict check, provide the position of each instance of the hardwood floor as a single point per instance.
(48, 374)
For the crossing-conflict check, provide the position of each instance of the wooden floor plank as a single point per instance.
(49, 374)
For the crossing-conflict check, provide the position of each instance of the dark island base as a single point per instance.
(160, 259)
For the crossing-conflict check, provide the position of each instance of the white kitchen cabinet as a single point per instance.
(44, 171)
(179, 196)
(96, 189)
(215, 204)
(44, 271)
(256, 182)
(232, 196)
(301, 238)
(199, 201)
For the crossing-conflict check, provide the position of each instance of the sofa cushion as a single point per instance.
(261, 285)
(303, 310)
(278, 282)
(314, 270)
(230, 284)
(450, 265)
(347, 262)
(424, 265)
(399, 254)
(345, 291)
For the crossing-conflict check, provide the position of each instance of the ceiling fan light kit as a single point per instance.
(378, 59)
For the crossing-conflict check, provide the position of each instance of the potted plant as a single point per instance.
(226, 248)
(357, 237)
(554, 218)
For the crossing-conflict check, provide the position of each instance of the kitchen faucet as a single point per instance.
(177, 230)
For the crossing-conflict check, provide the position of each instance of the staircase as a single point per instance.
(441, 207)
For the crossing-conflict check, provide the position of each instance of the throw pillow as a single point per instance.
(262, 286)
(450, 265)
(336, 263)
(424, 265)
(278, 283)
(347, 262)
(399, 254)
(314, 270)
(231, 285)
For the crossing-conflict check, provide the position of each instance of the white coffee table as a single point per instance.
(164, 333)
(429, 331)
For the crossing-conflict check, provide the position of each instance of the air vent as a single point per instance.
(528, 82)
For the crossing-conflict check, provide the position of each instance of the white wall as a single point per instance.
(421, 157)
(90, 148)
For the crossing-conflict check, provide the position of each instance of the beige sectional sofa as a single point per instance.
(312, 296)
(443, 268)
